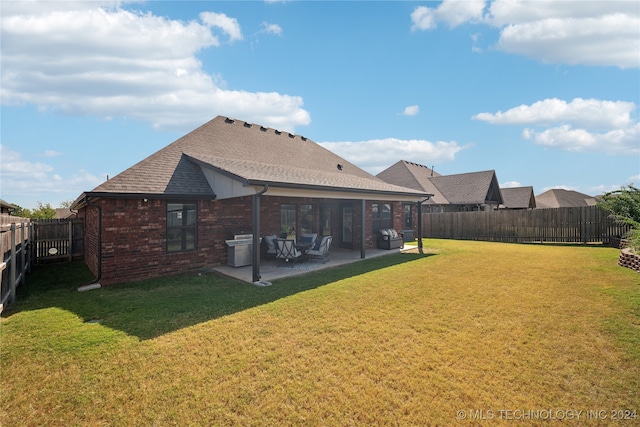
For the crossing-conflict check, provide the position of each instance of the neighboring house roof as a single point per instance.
(472, 188)
(5, 207)
(469, 188)
(413, 175)
(518, 198)
(209, 160)
(560, 198)
(63, 213)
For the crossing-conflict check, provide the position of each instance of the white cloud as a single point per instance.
(622, 141)
(510, 184)
(453, 12)
(580, 125)
(601, 33)
(376, 155)
(228, 25)
(52, 153)
(83, 59)
(411, 110)
(271, 28)
(25, 180)
(594, 113)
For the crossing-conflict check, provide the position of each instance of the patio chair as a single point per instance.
(270, 245)
(287, 252)
(321, 249)
(308, 238)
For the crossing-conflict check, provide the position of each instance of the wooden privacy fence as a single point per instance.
(588, 224)
(16, 241)
(57, 239)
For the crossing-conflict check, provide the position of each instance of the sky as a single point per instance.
(545, 93)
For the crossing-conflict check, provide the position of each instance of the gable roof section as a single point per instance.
(469, 188)
(248, 153)
(408, 174)
(413, 175)
(560, 198)
(518, 198)
(460, 189)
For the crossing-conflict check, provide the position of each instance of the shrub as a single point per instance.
(624, 206)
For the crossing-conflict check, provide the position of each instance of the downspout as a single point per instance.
(255, 264)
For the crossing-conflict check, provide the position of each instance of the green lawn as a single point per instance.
(490, 332)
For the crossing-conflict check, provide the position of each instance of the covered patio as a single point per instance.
(272, 270)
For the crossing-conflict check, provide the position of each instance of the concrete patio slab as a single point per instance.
(272, 270)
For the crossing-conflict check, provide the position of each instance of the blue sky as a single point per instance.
(546, 93)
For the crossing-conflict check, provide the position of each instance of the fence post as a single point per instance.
(23, 254)
(70, 246)
(12, 272)
(30, 248)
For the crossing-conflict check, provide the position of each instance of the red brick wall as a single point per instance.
(90, 216)
(134, 233)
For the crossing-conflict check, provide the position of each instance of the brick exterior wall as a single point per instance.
(134, 234)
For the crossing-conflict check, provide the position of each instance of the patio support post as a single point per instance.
(362, 230)
(420, 202)
(256, 238)
(420, 226)
(255, 264)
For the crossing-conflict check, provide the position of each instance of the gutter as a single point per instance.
(339, 189)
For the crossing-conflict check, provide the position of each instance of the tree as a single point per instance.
(43, 212)
(67, 203)
(21, 212)
(624, 206)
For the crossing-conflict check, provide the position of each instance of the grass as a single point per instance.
(404, 339)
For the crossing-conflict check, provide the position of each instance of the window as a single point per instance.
(408, 217)
(325, 220)
(381, 214)
(288, 220)
(181, 227)
(306, 219)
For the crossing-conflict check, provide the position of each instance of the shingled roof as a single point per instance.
(560, 198)
(518, 198)
(246, 152)
(460, 189)
(413, 175)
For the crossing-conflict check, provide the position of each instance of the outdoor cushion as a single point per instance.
(308, 238)
(271, 242)
(317, 245)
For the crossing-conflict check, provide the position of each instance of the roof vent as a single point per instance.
(228, 120)
(263, 129)
(278, 132)
(291, 135)
(303, 138)
(339, 166)
(247, 125)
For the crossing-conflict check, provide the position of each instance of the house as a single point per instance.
(518, 198)
(6, 208)
(560, 198)
(173, 211)
(451, 193)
